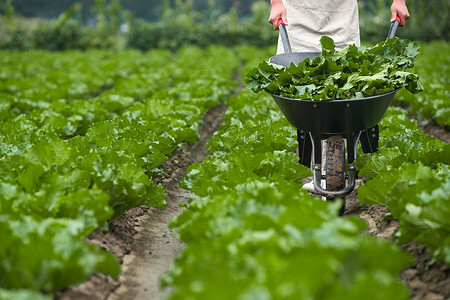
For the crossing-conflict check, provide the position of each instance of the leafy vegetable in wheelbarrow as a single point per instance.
(351, 73)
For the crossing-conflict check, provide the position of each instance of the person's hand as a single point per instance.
(398, 8)
(278, 11)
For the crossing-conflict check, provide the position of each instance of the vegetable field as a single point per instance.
(89, 141)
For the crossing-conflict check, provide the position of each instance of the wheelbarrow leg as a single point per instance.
(304, 147)
(369, 139)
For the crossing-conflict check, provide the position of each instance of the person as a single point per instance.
(308, 20)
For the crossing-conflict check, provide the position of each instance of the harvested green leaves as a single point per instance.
(347, 74)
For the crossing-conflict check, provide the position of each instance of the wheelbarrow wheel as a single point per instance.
(335, 165)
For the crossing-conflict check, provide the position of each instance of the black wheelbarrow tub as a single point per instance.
(363, 113)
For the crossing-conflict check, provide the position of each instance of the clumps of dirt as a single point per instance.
(379, 226)
(121, 232)
(118, 240)
(426, 279)
(97, 287)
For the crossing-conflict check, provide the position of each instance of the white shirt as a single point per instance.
(309, 20)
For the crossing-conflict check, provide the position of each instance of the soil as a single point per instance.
(442, 133)
(145, 246)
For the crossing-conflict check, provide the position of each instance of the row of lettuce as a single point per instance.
(433, 66)
(253, 233)
(81, 139)
(411, 176)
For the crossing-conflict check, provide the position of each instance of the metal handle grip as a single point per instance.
(284, 37)
(393, 28)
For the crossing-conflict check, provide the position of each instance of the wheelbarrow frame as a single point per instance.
(319, 120)
(354, 119)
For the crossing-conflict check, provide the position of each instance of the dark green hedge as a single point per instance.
(57, 37)
(145, 36)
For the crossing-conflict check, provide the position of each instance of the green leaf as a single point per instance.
(22, 294)
(49, 152)
(46, 249)
(327, 45)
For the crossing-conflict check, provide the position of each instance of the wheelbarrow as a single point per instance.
(338, 124)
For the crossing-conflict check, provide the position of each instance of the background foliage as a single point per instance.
(172, 23)
(429, 20)
(144, 9)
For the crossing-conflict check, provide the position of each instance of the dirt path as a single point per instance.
(145, 246)
(141, 238)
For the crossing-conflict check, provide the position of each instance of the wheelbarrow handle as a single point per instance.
(393, 28)
(287, 45)
(284, 37)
